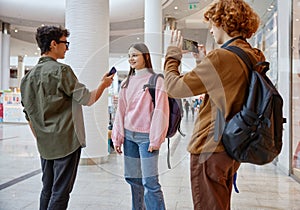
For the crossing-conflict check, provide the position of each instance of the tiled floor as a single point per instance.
(102, 187)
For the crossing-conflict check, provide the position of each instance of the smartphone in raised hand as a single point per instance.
(190, 45)
(113, 70)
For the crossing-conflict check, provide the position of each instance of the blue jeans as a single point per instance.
(141, 172)
(58, 179)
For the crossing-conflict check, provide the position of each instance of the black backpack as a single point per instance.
(254, 135)
(175, 106)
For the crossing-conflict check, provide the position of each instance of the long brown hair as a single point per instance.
(146, 55)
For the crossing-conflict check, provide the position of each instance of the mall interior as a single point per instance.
(101, 32)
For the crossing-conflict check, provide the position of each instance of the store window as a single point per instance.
(296, 89)
(13, 73)
(266, 40)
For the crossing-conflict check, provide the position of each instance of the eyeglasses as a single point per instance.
(65, 42)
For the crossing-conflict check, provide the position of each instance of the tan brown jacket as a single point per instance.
(222, 77)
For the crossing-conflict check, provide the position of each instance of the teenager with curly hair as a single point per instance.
(223, 77)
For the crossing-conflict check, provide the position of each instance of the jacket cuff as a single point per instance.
(174, 52)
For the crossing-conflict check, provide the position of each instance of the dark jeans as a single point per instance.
(58, 180)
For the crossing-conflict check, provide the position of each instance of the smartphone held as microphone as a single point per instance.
(112, 71)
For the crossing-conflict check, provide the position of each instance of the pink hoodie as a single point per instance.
(136, 110)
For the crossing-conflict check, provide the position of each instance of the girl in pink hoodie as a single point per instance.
(141, 128)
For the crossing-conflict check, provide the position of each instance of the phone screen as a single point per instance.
(190, 45)
(112, 71)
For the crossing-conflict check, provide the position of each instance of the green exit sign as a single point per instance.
(192, 6)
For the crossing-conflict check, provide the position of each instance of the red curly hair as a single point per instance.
(236, 17)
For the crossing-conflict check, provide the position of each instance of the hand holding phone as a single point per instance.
(112, 71)
(190, 45)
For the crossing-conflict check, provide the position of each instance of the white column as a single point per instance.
(21, 69)
(88, 55)
(170, 24)
(284, 77)
(153, 32)
(5, 56)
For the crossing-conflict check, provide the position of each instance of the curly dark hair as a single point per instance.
(236, 17)
(146, 55)
(45, 34)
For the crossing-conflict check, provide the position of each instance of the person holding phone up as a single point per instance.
(223, 79)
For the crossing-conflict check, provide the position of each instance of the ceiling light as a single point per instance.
(175, 7)
(16, 30)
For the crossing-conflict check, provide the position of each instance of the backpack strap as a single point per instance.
(234, 183)
(168, 155)
(152, 85)
(220, 121)
(242, 54)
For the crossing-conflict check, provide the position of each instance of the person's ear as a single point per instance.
(53, 44)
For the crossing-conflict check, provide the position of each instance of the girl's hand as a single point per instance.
(118, 149)
(152, 148)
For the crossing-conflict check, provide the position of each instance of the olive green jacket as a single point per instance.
(52, 99)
